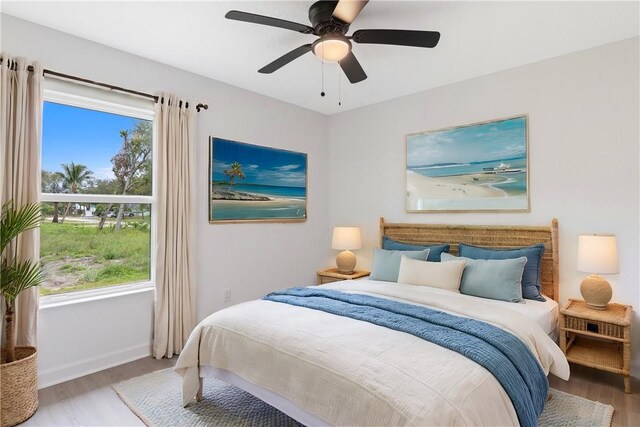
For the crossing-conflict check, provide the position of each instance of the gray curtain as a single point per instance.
(175, 255)
(20, 139)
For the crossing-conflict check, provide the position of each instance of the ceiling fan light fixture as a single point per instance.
(330, 21)
(331, 48)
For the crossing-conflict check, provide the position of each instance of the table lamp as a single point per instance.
(597, 253)
(346, 238)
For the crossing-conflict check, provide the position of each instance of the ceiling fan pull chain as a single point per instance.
(339, 88)
(322, 66)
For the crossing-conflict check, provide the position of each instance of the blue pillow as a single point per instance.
(434, 250)
(492, 278)
(386, 264)
(531, 276)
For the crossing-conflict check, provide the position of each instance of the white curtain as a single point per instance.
(20, 139)
(175, 254)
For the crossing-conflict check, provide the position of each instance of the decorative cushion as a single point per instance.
(531, 276)
(491, 278)
(443, 275)
(434, 250)
(386, 264)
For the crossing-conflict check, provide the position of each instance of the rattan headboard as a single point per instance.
(493, 236)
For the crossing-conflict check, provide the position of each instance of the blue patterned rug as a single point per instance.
(156, 399)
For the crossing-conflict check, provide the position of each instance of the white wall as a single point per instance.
(89, 336)
(583, 140)
(251, 259)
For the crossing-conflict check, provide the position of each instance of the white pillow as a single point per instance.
(443, 275)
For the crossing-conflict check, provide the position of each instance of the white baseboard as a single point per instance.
(80, 368)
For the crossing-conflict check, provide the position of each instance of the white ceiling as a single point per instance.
(478, 38)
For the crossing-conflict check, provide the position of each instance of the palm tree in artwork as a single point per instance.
(73, 176)
(235, 171)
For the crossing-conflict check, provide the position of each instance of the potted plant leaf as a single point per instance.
(18, 369)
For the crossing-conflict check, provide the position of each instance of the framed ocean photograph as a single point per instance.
(475, 167)
(252, 183)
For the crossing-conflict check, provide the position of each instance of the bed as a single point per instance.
(325, 369)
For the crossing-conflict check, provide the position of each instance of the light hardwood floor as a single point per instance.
(606, 388)
(90, 400)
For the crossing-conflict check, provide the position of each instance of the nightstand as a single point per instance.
(332, 275)
(599, 339)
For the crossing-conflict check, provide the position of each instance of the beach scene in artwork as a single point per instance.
(475, 167)
(251, 182)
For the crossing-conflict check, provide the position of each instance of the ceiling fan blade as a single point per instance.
(267, 20)
(348, 10)
(285, 59)
(352, 68)
(397, 37)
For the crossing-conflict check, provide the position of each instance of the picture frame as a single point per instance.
(476, 167)
(254, 183)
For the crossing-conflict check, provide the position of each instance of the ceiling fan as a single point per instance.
(331, 20)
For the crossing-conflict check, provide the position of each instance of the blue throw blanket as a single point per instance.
(501, 353)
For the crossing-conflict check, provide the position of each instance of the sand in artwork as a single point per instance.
(458, 192)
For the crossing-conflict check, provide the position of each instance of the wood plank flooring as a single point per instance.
(606, 388)
(90, 400)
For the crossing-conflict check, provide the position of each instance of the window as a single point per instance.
(96, 190)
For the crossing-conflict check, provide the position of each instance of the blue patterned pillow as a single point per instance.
(531, 276)
(434, 250)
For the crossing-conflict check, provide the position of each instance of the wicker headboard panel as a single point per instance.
(493, 236)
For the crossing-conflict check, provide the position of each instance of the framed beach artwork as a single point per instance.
(476, 167)
(252, 183)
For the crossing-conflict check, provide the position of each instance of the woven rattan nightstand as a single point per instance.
(332, 275)
(598, 339)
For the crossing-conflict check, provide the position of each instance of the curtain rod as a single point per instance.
(199, 107)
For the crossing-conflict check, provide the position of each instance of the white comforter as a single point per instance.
(350, 372)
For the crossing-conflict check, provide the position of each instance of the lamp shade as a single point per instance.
(346, 238)
(597, 253)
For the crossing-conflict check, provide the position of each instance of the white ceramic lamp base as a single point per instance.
(596, 292)
(346, 262)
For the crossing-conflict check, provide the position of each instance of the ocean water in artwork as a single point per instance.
(241, 211)
(513, 172)
(476, 167)
(273, 190)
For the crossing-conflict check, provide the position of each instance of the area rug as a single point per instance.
(156, 399)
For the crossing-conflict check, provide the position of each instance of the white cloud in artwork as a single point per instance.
(225, 165)
(286, 168)
(418, 155)
(512, 151)
(295, 179)
(218, 165)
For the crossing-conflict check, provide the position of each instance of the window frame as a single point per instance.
(93, 103)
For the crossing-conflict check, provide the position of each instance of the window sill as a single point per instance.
(51, 301)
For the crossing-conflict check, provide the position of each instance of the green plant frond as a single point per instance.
(15, 221)
(19, 276)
